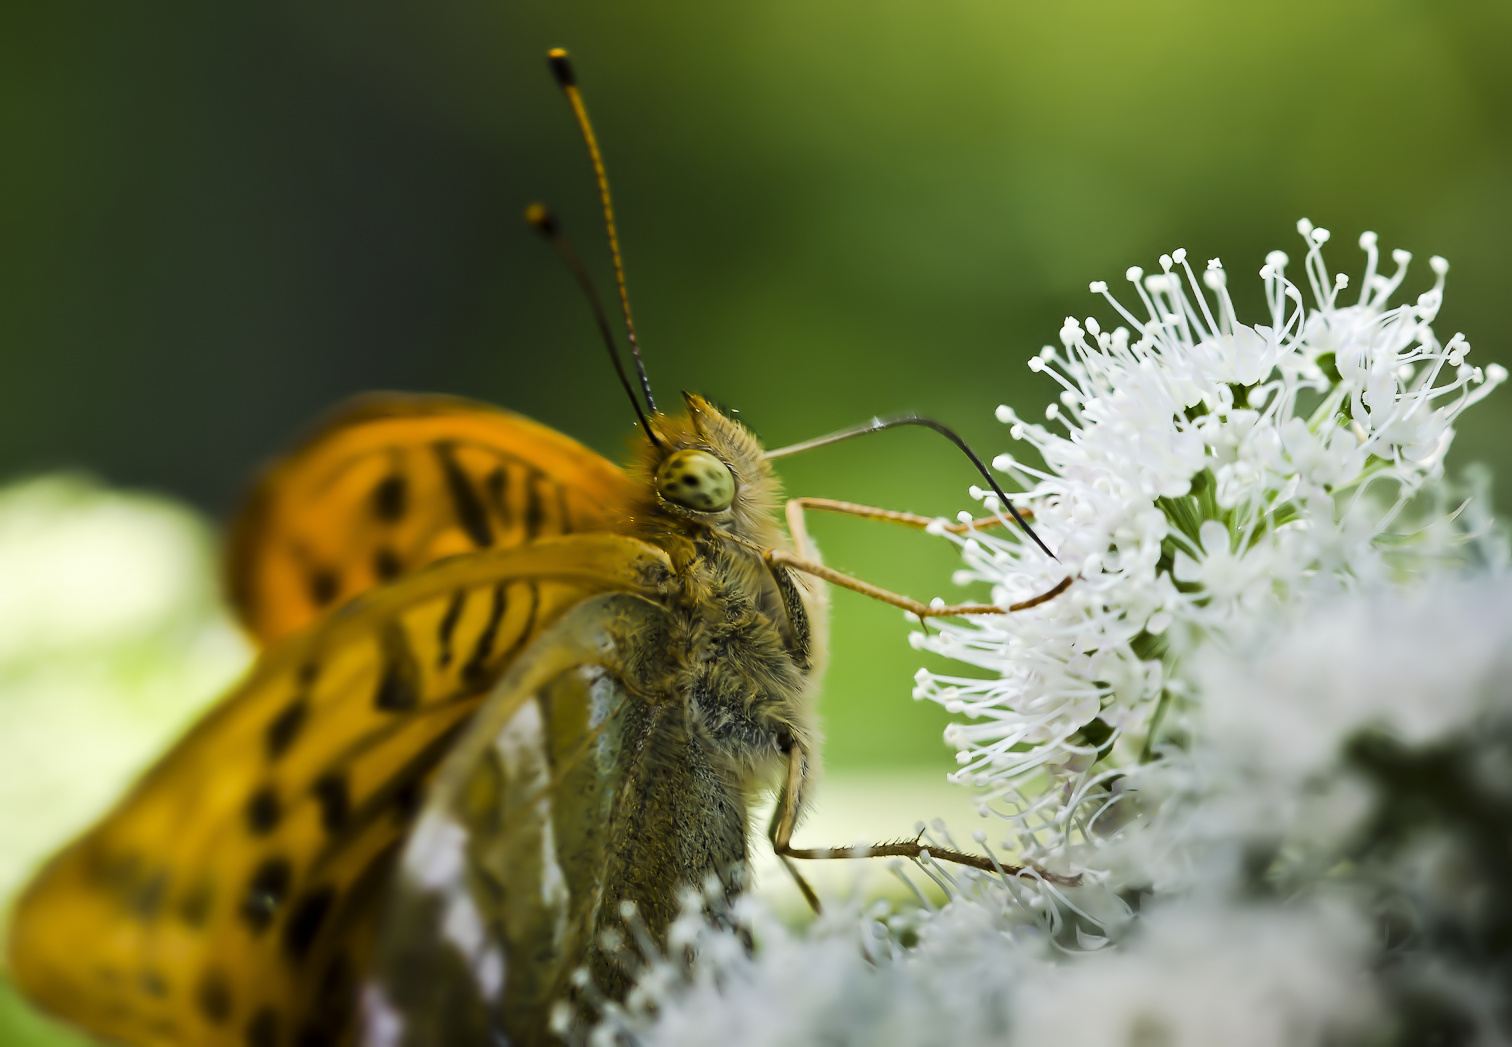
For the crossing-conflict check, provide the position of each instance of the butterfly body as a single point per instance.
(438, 797)
(684, 697)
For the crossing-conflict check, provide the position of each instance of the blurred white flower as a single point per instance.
(83, 570)
(1196, 975)
(112, 635)
(977, 970)
(1205, 475)
(1415, 663)
(1268, 764)
(841, 980)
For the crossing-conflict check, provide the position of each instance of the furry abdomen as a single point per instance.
(733, 695)
(679, 820)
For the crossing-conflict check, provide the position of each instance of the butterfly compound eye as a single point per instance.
(697, 480)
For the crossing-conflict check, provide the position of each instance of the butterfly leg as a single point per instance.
(790, 807)
(785, 818)
(796, 507)
(807, 558)
(781, 558)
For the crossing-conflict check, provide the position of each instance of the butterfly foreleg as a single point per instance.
(790, 800)
(782, 558)
(796, 507)
(790, 807)
(807, 556)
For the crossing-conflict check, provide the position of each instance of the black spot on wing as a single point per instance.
(528, 629)
(306, 920)
(399, 685)
(496, 487)
(213, 997)
(469, 507)
(285, 727)
(390, 498)
(406, 799)
(331, 793)
(324, 583)
(475, 670)
(395, 694)
(263, 811)
(399, 796)
(447, 627)
(386, 565)
(266, 892)
(479, 671)
(535, 509)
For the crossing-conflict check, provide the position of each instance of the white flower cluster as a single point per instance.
(1199, 475)
(1342, 832)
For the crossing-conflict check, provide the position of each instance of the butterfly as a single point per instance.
(512, 701)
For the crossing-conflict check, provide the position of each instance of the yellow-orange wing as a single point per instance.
(394, 482)
(229, 900)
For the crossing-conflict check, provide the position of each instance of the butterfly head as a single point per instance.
(706, 470)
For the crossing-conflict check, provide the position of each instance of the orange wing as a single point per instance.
(394, 482)
(230, 899)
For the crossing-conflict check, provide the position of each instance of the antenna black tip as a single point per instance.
(561, 68)
(540, 218)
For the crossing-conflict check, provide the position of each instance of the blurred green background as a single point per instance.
(216, 220)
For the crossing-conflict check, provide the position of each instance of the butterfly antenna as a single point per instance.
(561, 69)
(877, 425)
(544, 222)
